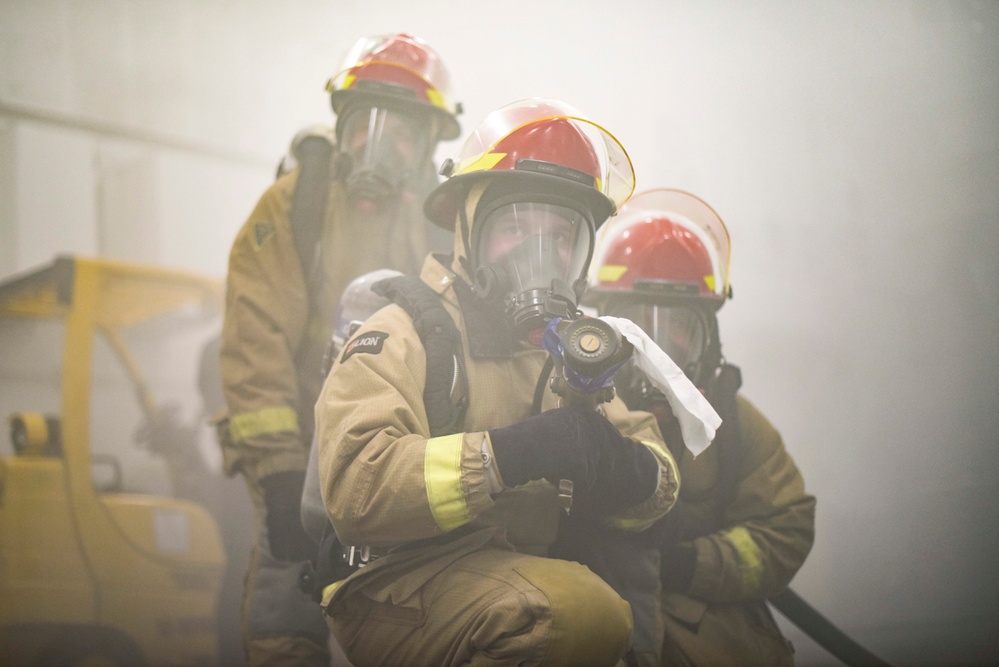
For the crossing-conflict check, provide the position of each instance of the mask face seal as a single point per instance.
(530, 257)
(382, 149)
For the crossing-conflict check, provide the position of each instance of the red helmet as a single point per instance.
(549, 146)
(663, 244)
(397, 68)
(663, 263)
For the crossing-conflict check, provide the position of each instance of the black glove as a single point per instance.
(608, 470)
(283, 501)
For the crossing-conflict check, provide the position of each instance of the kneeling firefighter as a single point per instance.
(744, 523)
(459, 518)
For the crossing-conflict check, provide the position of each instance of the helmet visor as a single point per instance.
(387, 141)
(536, 243)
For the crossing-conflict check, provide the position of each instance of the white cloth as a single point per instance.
(698, 420)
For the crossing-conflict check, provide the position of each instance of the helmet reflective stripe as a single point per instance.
(483, 162)
(611, 273)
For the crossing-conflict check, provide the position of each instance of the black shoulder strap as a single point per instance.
(445, 395)
(308, 203)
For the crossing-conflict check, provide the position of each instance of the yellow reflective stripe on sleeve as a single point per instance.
(663, 452)
(749, 558)
(328, 591)
(442, 474)
(277, 419)
(674, 468)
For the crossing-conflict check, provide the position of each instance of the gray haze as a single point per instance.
(851, 147)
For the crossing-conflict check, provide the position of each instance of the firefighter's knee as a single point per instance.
(590, 623)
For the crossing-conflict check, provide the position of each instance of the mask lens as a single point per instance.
(679, 330)
(535, 242)
(388, 141)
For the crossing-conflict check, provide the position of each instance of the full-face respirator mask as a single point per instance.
(530, 257)
(687, 330)
(381, 149)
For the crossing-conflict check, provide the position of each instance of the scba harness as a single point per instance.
(445, 395)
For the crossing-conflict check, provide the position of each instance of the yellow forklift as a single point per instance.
(109, 551)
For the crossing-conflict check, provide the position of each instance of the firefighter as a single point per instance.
(352, 203)
(744, 523)
(458, 524)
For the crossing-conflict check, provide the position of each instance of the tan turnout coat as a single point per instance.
(768, 530)
(272, 340)
(386, 482)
